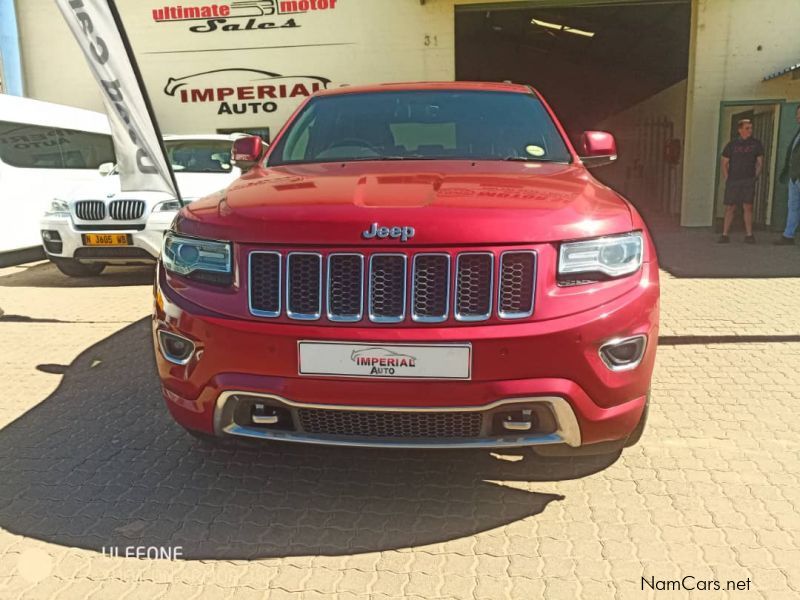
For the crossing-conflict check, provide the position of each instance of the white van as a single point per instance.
(46, 150)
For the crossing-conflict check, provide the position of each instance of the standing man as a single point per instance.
(742, 160)
(790, 174)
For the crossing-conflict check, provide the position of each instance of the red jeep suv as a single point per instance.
(421, 265)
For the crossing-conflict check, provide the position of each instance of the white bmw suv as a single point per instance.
(98, 224)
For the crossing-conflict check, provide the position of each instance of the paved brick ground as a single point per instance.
(89, 459)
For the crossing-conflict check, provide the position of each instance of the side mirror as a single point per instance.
(598, 148)
(105, 168)
(247, 151)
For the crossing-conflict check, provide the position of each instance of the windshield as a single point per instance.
(421, 125)
(199, 156)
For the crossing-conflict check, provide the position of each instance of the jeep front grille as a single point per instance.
(387, 424)
(90, 210)
(474, 283)
(345, 287)
(517, 273)
(431, 288)
(126, 210)
(392, 287)
(265, 284)
(387, 288)
(304, 285)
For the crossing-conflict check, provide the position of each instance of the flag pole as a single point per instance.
(137, 73)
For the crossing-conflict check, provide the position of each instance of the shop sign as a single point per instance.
(243, 91)
(241, 15)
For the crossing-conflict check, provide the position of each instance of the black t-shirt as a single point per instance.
(743, 155)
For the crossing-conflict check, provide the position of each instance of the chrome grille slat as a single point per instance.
(264, 278)
(377, 284)
(430, 280)
(90, 210)
(387, 424)
(474, 286)
(304, 286)
(345, 289)
(126, 210)
(516, 292)
(387, 287)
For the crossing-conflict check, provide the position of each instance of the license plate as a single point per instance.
(106, 239)
(388, 361)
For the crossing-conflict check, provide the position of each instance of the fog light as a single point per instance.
(52, 241)
(175, 348)
(623, 354)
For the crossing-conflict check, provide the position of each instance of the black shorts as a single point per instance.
(740, 191)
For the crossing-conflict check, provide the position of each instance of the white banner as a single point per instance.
(140, 155)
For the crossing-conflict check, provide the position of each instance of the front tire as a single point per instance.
(73, 268)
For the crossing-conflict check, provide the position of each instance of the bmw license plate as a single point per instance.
(398, 361)
(106, 239)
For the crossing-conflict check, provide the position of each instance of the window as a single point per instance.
(199, 156)
(38, 147)
(422, 125)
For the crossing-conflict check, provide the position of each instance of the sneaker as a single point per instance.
(783, 241)
(723, 239)
(749, 239)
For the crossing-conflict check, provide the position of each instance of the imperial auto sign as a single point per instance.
(239, 65)
(242, 91)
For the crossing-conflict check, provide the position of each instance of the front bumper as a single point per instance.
(145, 246)
(552, 364)
(565, 431)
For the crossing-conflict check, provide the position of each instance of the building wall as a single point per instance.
(54, 68)
(351, 42)
(642, 172)
(735, 44)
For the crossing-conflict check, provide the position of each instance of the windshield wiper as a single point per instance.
(366, 158)
(527, 159)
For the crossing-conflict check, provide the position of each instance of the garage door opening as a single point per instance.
(619, 67)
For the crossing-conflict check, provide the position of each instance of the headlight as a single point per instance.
(612, 256)
(58, 207)
(171, 205)
(167, 206)
(204, 260)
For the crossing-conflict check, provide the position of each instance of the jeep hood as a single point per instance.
(446, 202)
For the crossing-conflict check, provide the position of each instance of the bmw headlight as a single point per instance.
(171, 205)
(612, 256)
(208, 261)
(168, 206)
(58, 207)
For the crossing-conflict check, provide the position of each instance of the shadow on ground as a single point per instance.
(100, 463)
(692, 252)
(46, 275)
